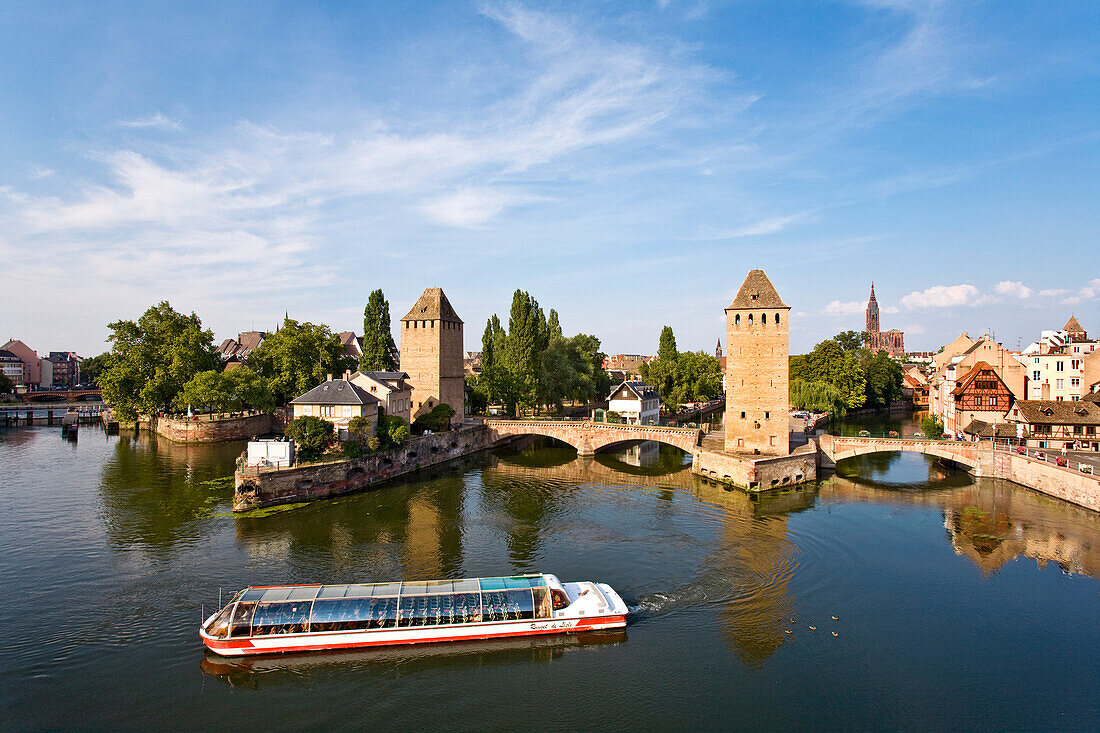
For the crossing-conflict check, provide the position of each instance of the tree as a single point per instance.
(311, 436)
(298, 357)
(851, 341)
(593, 383)
(92, 367)
(6, 386)
(392, 431)
(816, 396)
(932, 427)
(527, 338)
(667, 347)
(492, 353)
(437, 420)
(236, 389)
(884, 378)
(378, 346)
(830, 363)
(477, 399)
(153, 358)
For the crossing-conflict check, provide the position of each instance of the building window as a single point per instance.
(1074, 382)
(1059, 398)
(993, 401)
(307, 409)
(1059, 366)
(978, 401)
(1075, 364)
(767, 416)
(750, 319)
(763, 317)
(742, 415)
(1059, 384)
(737, 320)
(1036, 375)
(347, 410)
(777, 319)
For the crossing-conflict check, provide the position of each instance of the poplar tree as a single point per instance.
(378, 346)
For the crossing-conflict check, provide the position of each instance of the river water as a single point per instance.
(958, 603)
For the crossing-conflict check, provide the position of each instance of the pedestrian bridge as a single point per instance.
(588, 437)
(836, 448)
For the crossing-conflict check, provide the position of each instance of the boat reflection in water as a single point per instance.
(269, 670)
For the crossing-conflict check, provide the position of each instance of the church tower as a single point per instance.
(757, 367)
(872, 316)
(718, 350)
(431, 354)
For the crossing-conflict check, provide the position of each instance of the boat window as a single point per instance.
(241, 624)
(275, 594)
(467, 608)
(287, 617)
(304, 593)
(219, 627)
(253, 594)
(332, 591)
(507, 605)
(560, 599)
(350, 614)
(542, 602)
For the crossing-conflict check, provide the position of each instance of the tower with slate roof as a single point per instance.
(757, 367)
(431, 354)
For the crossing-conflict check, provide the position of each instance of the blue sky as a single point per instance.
(626, 163)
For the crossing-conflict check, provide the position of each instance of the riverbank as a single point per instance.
(255, 488)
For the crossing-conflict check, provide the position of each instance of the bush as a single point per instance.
(311, 436)
(438, 420)
(932, 427)
(393, 431)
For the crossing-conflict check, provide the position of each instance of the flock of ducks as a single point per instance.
(813, 628)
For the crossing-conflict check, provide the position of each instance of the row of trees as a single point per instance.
(690, 376)
(533, 364)
(166, 361)
(841, 374)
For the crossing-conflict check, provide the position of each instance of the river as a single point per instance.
(937, 600)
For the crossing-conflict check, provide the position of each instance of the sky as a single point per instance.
(625, 163)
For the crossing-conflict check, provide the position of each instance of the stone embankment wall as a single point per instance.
(216, 431)
(758, 473)
(1064, 483)
(253, 490)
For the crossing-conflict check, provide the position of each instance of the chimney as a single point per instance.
(329, 377)
(1044, 393)
(347, 375)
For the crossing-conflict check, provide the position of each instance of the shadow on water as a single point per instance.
(274, 670)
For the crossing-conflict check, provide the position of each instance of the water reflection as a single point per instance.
(151, 489)
(256, 672)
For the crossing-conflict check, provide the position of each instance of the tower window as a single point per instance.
(742, 415)
(750, 319)
(737, 320)
(777, 319)
(763, 317)
(767, 416)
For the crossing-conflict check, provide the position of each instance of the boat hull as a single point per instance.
(319, 641)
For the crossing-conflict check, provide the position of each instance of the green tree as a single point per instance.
(92, 367)
(666, 349)
(932, 427)
(593, 383)
(378, 346)
(884, 378)
(478, 398)
(153, 358)
(851, 341)
(527, 338)
(553, 328)
(229, 391)
(392, 431)
(816, 396)
(6, 386)
(438, 419)
(490, 381)
(298, 357)
(830, 363)
(311, 435)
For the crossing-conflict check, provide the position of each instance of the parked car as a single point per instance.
(1041, 456)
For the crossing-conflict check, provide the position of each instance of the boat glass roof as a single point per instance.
(366, 590)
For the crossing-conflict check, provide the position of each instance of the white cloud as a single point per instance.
(472, 207)
(1053, 292)
(914, 329)
(1089, 292)
(1013, 289)
(157, 120)
(942, 296)
(837, 308)
(891, 310)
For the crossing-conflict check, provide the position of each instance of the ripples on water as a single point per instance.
(939, 586)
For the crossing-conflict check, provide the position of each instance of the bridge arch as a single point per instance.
(589, 437)
(838, 448)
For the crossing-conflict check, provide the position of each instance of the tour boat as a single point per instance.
(290, 618)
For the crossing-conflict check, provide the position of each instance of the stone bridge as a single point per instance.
(970, 456)
(588, 437)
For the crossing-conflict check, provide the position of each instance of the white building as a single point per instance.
(636, 402)
(390, 388)
(1056, 364)
(338, 401)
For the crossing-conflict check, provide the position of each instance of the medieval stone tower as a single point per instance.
(757, 347)
(431, 354)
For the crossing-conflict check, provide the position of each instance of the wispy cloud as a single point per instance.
(1013, 288)
(158, 120)
(837, 308)
(771, 225)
